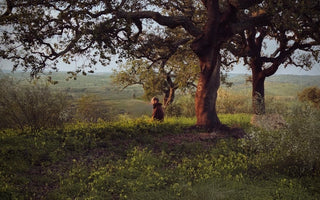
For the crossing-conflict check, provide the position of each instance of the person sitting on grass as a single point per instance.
(157, 113)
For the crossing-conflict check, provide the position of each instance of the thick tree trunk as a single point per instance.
(208, 85)
(258, 99)
(206, 96)
(207, 48)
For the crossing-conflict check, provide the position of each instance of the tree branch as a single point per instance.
(284, 54)
(271, 70)
(244, 4)
(169, 21)
(294, 63)
(9, 8)
(267, 59)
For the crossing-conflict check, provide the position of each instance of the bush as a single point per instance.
(35, 106)
(293, 150)
(312, 95)
(232, 103)
(183, 106)
(278, 104)
(173, 110)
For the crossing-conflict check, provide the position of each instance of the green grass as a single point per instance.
(249, 189)
(139, 159)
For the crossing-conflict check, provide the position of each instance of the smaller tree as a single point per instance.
(160, 71)
(311, 95)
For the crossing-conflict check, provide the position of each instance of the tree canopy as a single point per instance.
(37, 34)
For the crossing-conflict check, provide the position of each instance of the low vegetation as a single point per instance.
(139, 159)
(112, 155)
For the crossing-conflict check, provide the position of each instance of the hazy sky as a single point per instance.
(239, 69)
(289, 70)
(5, 65)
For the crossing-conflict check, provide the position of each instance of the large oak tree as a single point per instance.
(36, 34)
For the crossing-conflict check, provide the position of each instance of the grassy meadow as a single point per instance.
(131, 157)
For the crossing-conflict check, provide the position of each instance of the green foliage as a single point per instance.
(32, 105)
(253, 189)
(157, 78)
(140, 171)
(144, 173)
(183, 106)
(173, 110)
(133, 159)
(295, 12)
(138, 73)
(311, 95)
(236, 120)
